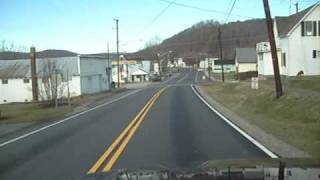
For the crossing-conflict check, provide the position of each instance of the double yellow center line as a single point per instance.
(117, 147)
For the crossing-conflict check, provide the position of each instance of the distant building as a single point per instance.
(205, 63)
(139, 75)
(245, 60)
(298, 44)
(228, 65)
(179, 62)
(131, 70)
(81, 74)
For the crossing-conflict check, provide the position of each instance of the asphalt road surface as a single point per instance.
(160, 126)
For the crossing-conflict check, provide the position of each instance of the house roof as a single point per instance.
(139, 72)
(50, 53)
(112, 56)
(286, 23)
(11, 69)
(246, 55)
(22, 69)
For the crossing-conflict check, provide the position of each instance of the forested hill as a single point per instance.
(202, 38)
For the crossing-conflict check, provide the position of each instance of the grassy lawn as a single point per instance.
(293, 118)
(26, 112)
(227, 75)
(305, 82)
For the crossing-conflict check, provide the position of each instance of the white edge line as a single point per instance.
(66, 119)
(251, 139)
(196, 77)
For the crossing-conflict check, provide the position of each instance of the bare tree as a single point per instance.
(154, 41)
(52, 86)
(11, 47)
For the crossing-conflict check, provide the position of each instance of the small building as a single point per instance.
(179, 62)
(58, 73)
(245, 60)
(139, 75)
(131, 70)
(207, 62)
(228, 65)
(298, 44)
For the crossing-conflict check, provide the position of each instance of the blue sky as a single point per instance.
(85, 26)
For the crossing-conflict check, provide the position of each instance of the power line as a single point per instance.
(231, 9)
(205, 9)
(160, 14)
(154, 19)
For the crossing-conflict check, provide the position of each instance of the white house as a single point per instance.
(205, 63)
(131, 70)
(180, 63)
(71, 73)
(139, 75)
(245, 60)
(298, 44)
(216, 65)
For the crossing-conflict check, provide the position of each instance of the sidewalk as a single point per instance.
(277, 146)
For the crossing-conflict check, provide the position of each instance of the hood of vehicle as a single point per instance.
(221, 169)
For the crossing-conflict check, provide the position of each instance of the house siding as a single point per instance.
(92, 79)
(93, 75)
(15, 91)
(300, 50)
(245, 67)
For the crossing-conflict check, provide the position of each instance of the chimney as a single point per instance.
(34, 78)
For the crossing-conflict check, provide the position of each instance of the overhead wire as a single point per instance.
(205, 9)
(231, 9)
(153, 20)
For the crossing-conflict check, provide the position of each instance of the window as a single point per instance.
(284, 60)
(4, 81)
(309, 28)
(315, 54)
(26, 81)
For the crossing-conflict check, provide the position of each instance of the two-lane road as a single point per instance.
(166, 125)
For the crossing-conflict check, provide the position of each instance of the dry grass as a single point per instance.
(27, 112)
(293, 118)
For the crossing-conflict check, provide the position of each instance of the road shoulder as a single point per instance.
(10, 130)
(268, 140)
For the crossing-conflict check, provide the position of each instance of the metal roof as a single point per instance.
(22, 68)
(50, 53)
(246, 55)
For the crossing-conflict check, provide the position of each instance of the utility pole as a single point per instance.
(277, 77)
(69, 102)
(209, 67)
(159, 64)
(118, 58)
(297, 6)
(34, 78)
(56, 88)
(220, 53)
(109, 66)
